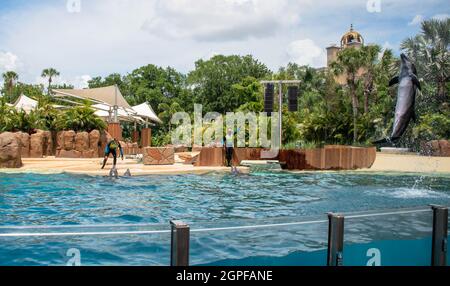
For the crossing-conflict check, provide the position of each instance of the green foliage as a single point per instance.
(168, 112)
(80, 118)
(50, 74)
(434, 126)
(212, 81)
(357, 113)
(161, 139)
(250, 92)
(429, 50)
(7, 116)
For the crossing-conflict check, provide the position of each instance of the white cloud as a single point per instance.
(8, 62)
(441, 16)
(221, 20)
(80, 81)
(416, 20)
(120, 35)
(306, 52)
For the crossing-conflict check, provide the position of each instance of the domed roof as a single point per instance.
(352, 37)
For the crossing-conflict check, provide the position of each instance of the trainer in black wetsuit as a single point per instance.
(111, 149)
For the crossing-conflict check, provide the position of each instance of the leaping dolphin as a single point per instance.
(406, 99)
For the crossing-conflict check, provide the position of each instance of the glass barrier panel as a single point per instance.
(93, 246)
(397, 238)
(293, 242)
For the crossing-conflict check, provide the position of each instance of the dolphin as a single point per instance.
(113, 173)
(127, 173)
(406, 99)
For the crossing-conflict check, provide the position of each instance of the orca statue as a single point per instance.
(408, 84)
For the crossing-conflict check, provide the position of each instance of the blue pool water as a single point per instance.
(205, 201)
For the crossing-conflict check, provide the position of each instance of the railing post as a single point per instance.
(179, 254)
(440, 234)
(335, 240)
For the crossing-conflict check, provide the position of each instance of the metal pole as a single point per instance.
(116, 107)
(440, 234)
(179, 255)
(335, 240)
(280, 97)
(116, 114)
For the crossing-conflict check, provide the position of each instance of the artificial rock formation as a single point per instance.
(24, 140)
(82, 142)
(159, 156)
(438, 148)
(48, 145)
(81, 145)
(37, 145)
(10, 151)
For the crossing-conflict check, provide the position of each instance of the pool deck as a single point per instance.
(408, 163)
(52, 165)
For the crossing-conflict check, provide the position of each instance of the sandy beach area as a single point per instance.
(51, 165)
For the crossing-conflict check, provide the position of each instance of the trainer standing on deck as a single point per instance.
(111, 148)
(229, 146)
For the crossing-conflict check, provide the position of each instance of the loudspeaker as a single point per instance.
(293, 98)
(269, 98)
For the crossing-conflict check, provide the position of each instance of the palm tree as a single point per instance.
(370, 61)
(49, 73)
(10, 78)
(80, 118)
(349, 63)
(168, 111)
(429, 50)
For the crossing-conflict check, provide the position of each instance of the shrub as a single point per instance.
(80, 118)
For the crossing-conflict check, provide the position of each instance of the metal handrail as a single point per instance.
(109, 233)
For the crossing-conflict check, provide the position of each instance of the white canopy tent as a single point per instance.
(109, 103)
(25, 103)
(109, 96)
(146, 111)
(104, 111)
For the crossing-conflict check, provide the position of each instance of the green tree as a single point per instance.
(10, 78)
(80, 118)
(168, 112)
(430, 51)
(349, 62)
(50, 74)
(212, 81)
(370, 62)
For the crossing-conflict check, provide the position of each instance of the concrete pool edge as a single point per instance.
(384, 163)
(91, 167)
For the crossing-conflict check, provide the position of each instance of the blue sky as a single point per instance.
(107, 36)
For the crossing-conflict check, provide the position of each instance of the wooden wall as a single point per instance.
(328, 158)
